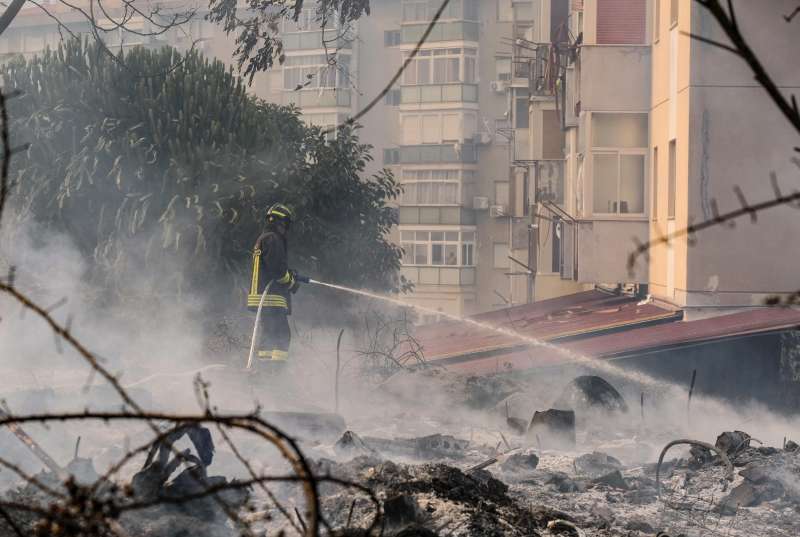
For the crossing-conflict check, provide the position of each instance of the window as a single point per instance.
(431, 187)
(392, 97)
(501, 193)
(423, 10)
(523, 11)
(314, 71)
(503, 68)
(619, 149)
(621, 22)
(438, 248)
(654, 211)
(391, 156)
(657, 22)
(673, 13)
(672, 180)
(438, 128)
(325, 122)
(442, 66)
(505, 11)
(392, 38)
(521, 109)
(501, 253)
(415, 11)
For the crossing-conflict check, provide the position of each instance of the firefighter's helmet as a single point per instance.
(280, 213)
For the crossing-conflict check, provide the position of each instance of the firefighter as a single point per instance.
(271, 273)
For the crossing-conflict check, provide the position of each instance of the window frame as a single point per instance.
(674, 13)
(654, 193)
(672, 179)
(417, 176)
(465, 247)
(642, 151)
(433, 57)
(320, 70)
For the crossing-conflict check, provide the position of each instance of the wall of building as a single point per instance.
(727, 134)
(737, 138)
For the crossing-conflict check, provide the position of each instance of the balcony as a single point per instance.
(310, 98)
(439, 154)
(439, 275)
(443, 31)
(439, 93)
(436, 215)
(314, 40)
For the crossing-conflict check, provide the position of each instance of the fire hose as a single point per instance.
(297, 278)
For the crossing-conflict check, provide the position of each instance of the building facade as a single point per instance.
(660, 131)
(539, 142)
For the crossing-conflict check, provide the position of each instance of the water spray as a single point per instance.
(574, 356)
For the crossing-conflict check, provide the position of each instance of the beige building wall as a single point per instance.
(727, 134)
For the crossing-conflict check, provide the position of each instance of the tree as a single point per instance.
(258, 23)
(147, 171)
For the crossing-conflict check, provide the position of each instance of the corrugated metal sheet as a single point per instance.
(638, 341)
(621, 22)
(571, 316)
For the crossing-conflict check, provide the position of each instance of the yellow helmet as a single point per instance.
(280, 212)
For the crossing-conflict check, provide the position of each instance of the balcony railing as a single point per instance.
(432, 154)
(314, 40)
(439, 93)
(443, 31)
(439, 276)
(436, 215)
(310, 98)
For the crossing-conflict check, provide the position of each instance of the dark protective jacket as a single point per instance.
(271, 272)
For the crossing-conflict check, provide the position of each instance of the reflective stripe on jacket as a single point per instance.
(270, 271)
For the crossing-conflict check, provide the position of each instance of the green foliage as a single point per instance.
(257, 24)
(141, 171)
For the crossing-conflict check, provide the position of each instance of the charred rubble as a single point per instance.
(549, 473)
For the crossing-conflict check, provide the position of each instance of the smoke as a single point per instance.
(156, 340)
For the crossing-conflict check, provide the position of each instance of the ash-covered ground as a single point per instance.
(441, 455)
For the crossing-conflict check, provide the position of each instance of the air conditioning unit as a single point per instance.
(499, 86)
(498, 211)
(480, 203)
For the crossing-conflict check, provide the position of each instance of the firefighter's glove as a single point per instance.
(294, 284)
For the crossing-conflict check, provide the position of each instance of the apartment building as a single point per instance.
(656, 129)
(449, 131)
(33, 30)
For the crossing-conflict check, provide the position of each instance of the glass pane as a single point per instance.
(450, 193)
(423, 70)
(451, 236)
(451, 254)
(423, 236)
(410, 74)
(408, 253)
(437, 257)
(467, 254)
(619, 130)
(407, 236)
(437, 236)
(521, 118)
(420, 254)
(439, 70)
(631, 184)
(453, 70)
(605, 183)
(468, 236)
